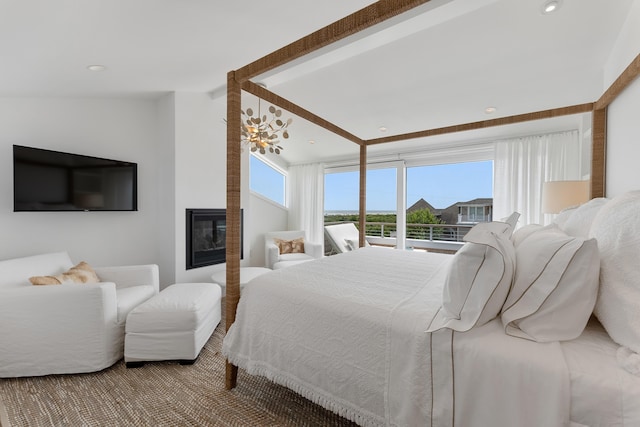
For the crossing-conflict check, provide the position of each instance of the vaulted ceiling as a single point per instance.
(441, 64)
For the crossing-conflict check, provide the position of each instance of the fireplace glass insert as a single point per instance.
(206, 237)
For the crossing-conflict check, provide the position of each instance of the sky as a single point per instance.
(440, 185)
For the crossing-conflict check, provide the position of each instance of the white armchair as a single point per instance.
(70, 328)
(275, 260)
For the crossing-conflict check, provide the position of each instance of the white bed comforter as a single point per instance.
(347, 332)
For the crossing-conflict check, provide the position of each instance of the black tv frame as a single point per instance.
(69, 162)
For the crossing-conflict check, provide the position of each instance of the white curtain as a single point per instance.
(521, 166)
(306, 200)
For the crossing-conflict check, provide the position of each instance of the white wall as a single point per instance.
(623, 142)
(166, 184)
(626, 48)
(110, 128)
(200, 164)
(264, 215)
(179, 143)
(623, 127)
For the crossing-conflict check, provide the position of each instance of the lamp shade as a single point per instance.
(559, 195)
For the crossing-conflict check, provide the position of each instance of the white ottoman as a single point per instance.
(172, 325)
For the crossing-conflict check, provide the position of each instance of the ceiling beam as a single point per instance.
(283, 103)
(545, 114)
(351, 24)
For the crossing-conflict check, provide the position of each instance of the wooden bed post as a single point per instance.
(233, 240)
(598, 152)
(363, 195)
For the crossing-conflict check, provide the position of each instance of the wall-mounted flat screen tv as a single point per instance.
(45, 180)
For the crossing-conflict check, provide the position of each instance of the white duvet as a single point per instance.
(347, 332)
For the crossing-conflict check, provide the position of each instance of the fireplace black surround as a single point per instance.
(206, 237)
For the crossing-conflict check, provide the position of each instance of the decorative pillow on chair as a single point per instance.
(295, 246)
(555, 286)
(478, 280)
(81, 273)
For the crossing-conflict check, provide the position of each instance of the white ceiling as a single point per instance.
(438, 65)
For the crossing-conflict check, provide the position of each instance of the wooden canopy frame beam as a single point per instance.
(281, 102)
(364, 18)
(351, 24)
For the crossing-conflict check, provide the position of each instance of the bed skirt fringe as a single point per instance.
(309, 393)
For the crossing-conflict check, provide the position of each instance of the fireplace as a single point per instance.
(206, 237)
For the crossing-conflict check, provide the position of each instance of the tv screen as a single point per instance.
(45, 180)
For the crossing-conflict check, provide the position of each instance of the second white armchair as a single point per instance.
(284, 248)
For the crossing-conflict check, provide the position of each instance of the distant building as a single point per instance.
(470, 212)
(423, 204)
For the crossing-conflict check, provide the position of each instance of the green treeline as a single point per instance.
(422, 216)
(386, 224)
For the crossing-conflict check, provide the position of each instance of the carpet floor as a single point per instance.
(158, 394)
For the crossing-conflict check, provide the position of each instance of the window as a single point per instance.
(453, 186)
(441, 201)
(342, 196)
(267, 180)
(474, 214)
(342, 191)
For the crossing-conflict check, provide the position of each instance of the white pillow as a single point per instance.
(555, 286)
(617, 229)
(523, 232)
(478, 280)
(579, 223)
(512, 220)
(564, 216)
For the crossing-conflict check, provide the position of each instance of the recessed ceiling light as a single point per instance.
(551, 6)
(382, 129)
(490, 110)
(311, 141)
(96, 67)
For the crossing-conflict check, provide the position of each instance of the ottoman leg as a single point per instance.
(188, 361)
(134, 364)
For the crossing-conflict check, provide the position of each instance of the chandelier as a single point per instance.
(262, 133)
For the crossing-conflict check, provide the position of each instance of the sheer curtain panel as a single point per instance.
(523, 164)
(306, 200)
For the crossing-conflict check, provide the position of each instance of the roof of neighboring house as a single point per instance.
(480, 201)
(421, 204)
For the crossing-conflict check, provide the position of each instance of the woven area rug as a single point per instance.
(158, 394)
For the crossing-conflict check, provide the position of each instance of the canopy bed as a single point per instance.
(406, 383)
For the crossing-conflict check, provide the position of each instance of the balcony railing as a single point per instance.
(429, 232)
(443, 237)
